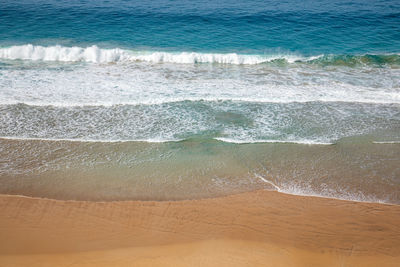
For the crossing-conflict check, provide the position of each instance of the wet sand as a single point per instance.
(260, 228)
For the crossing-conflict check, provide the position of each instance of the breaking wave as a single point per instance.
(95, 54)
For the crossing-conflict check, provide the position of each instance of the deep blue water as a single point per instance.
(242, 26)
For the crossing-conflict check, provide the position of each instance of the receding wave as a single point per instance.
(224, 140)
(197, 168)
(95, 54)
(160, 140)
(233, 122)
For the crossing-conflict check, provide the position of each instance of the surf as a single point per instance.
(94, 54)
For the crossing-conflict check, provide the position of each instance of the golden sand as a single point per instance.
(259, 228)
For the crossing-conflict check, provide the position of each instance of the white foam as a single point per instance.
(95, 54)
(303, 142)
(177, 100)
(299, 190)
(386, 142)
(140, 83)
(60, 53)
(267, 181)
(306, 190)
(81, 140)
(153, 140)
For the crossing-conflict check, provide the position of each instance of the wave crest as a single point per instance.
(60, 53)
(95, 54)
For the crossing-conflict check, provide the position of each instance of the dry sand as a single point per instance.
(259, 228)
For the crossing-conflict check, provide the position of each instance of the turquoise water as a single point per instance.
(250, 26)
(188, 86)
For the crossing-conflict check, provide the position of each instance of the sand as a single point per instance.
(260, 228)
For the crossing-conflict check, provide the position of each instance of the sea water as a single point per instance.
(182, 99)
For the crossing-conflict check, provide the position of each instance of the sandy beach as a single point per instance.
(205, 133)
(260, 228)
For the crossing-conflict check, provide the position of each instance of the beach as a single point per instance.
(199, 133)
(260, 228)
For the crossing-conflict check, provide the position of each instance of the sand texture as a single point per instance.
(260, 228)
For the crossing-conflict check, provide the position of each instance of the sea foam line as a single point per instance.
(386, 142)
(348, 197)
(303, 142)
(152, 140)
(298, 191)
(267, 182)
(95, 54)
(81, 140)
(151, 102)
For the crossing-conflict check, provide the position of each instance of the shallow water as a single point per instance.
(198, 169)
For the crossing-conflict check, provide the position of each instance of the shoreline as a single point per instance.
(282, 228)
(197, 170)
(197, 199)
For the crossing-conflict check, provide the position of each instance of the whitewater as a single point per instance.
(96, 55)
(94, 94)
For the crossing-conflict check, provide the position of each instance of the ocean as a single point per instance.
(169, 100)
